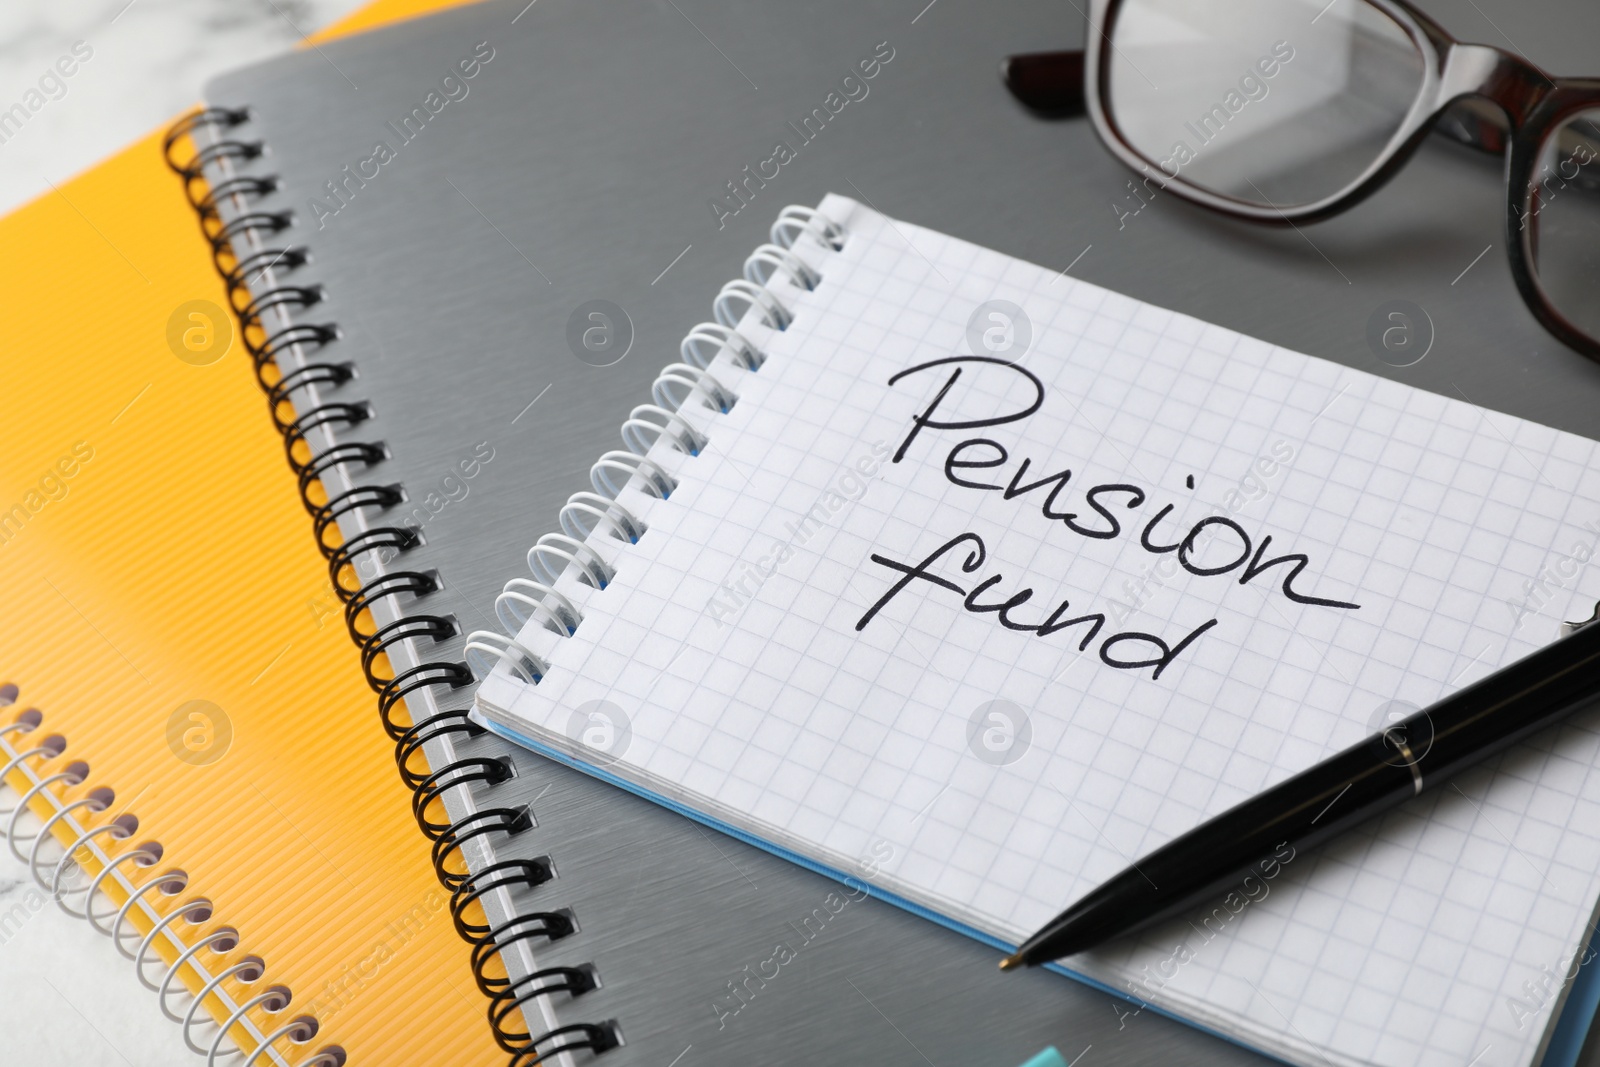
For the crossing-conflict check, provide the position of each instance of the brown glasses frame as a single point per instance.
(1478, 94)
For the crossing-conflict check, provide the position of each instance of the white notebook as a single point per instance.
(796, 608)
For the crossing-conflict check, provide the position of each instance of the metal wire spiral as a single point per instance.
(245, 255)
(147, 889)
(552, 556)
(676, 386)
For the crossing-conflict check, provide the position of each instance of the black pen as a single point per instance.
(1419, 752)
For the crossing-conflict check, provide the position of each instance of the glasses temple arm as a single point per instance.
(1047, 83)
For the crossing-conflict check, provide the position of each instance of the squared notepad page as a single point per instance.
(759, 666)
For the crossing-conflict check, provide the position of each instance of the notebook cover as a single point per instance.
(170, 566)
(454, 274)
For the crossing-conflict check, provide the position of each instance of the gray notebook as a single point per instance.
(504, 219)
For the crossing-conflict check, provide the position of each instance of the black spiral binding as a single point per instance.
(242, 275)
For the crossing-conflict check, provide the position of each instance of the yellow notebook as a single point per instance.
(180, 686)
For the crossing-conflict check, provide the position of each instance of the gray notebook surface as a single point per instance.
(592, 155)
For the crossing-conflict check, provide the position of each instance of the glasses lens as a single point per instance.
(1563, 210)
(1278, 103)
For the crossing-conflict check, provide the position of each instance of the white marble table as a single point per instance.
(148, 60)
(66, 996)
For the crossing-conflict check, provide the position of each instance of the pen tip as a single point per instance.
(1012, 962)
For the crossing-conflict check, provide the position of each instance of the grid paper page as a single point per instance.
(753, 664)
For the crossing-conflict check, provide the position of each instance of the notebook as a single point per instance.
(581, 883)
(460, 270)
(941, 563)
(154, 568)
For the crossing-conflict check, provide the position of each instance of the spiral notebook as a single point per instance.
(610, 929)
(859, 590)
(177, 767)
(459, 281)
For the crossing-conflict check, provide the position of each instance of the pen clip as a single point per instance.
(1574, 627)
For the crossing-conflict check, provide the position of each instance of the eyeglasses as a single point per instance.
(1290, 111)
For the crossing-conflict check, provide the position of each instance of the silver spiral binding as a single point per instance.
(593, 569)
(620, 520)
(683, 376)
(797, 220)
(170, 883)
(631, 464)
(97, 801)
(561, 617)
(720, 337)
(485, 648)
(600, 517)
(247, 970)
(226, 939)
(648, 423)
(754, 297)
(121, 828)
(197, 911)
(73, 775)
(128, 871)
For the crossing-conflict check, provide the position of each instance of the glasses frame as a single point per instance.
(1528, 107)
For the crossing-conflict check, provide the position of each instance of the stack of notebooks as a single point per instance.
(752, 733)
(172, 640)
